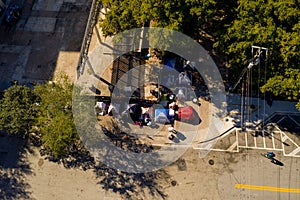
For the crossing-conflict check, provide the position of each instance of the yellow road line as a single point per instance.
(267, 188)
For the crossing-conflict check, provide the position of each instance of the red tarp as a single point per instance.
(185, 113)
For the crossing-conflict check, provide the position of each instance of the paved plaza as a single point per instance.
(47, 39)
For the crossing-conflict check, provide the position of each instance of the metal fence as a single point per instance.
(92, 21)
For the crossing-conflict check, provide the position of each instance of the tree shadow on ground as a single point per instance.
(131, 185)
(77, 156)
(128, 185)
(14, 168)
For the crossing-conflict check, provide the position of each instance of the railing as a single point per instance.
(92, 21)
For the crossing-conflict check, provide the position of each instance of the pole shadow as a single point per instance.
(266, 134)
(277, 162)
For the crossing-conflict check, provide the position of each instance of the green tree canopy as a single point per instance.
(186, 16)
(45, 110)
(18, 110)
(271, 24)
(55, 120)
(233, 27)
(285, 85)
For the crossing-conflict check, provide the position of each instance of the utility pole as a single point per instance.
(257, 55)
(263, 57)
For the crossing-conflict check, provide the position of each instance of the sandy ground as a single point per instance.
(50, 180)
(192, 178)
(212, 177)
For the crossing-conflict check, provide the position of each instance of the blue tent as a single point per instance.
(171, 63)
(162, 116)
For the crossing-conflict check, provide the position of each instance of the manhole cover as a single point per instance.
(181, 165)
(173, 183)
(211, 162)
(40, 162)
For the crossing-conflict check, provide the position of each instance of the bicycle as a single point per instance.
(273, 160)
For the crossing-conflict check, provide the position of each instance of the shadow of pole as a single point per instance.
(277, 162)
(265, 134)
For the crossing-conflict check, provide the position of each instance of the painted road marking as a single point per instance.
(264, 140)
(232, 146)
(267, 188)
(273, 140)
(245, 137)
(295, 151)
